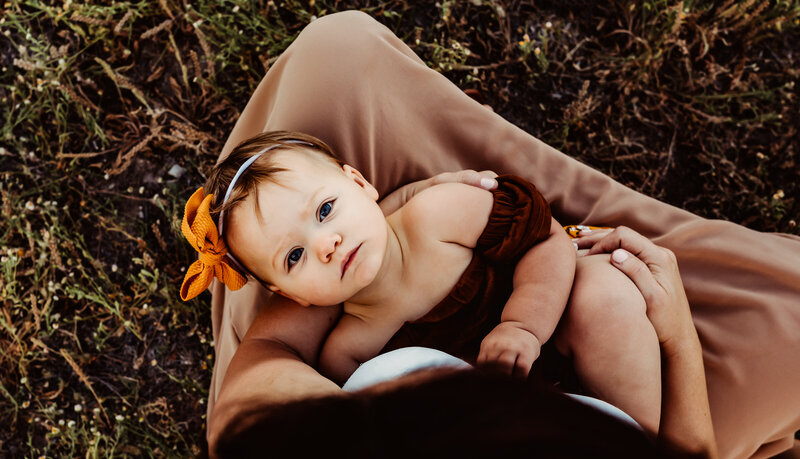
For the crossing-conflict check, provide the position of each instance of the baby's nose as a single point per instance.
(326, 246)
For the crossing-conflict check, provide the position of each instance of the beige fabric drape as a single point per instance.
(349, 81)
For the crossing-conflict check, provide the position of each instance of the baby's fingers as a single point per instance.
(523, 365)
(498, 359)
(506, 362)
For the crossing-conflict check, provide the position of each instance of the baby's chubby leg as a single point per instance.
(613, 345)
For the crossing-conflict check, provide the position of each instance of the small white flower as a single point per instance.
(114, 268)
(548, 25)
(29, 206)
(78, 408)
(119, 418)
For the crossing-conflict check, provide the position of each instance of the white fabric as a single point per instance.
(397, 363)
(405, 360)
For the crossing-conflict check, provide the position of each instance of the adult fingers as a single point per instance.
(488, 174)
(641, 275)
(483, 179)
(588, 238)
(628, 239)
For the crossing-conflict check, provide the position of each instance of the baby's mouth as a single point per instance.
(349, 259)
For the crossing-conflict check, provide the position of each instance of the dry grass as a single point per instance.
(694, 103)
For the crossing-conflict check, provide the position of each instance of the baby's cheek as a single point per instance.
(321, 296)
(366, 272)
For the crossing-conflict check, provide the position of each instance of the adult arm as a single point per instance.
(274, 363)
(542, 283)
(685, 414)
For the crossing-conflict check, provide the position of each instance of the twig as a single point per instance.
(85, 380)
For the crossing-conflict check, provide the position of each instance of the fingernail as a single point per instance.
(619, 255)
(488, 183)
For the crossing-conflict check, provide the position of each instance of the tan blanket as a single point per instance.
(349, 81)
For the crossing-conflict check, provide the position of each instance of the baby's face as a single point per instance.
(318, 236)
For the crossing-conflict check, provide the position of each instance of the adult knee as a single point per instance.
(348, 33)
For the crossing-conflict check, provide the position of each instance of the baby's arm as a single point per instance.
(542, 283)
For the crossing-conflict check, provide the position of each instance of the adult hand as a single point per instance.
(654, 270)
(482, 179)
(395, 200)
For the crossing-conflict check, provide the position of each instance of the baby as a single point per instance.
(483, 275)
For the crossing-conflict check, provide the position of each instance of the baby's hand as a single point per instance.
(511, 348)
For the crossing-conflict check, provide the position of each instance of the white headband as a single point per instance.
(241, 170)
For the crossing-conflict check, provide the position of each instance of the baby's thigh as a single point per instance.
(603, 303)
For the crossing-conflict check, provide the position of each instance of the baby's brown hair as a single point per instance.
(264, 168)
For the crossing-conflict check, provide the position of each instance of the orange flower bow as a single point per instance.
(201, 232)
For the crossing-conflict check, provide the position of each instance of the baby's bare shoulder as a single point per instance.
(448, 212)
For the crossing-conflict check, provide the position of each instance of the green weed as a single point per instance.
(692, 102)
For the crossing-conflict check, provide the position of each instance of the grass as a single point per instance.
(114, 111)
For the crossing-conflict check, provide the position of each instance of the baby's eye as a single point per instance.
(325, 209)
(294, 257)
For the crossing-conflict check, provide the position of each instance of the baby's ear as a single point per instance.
(356, 176)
